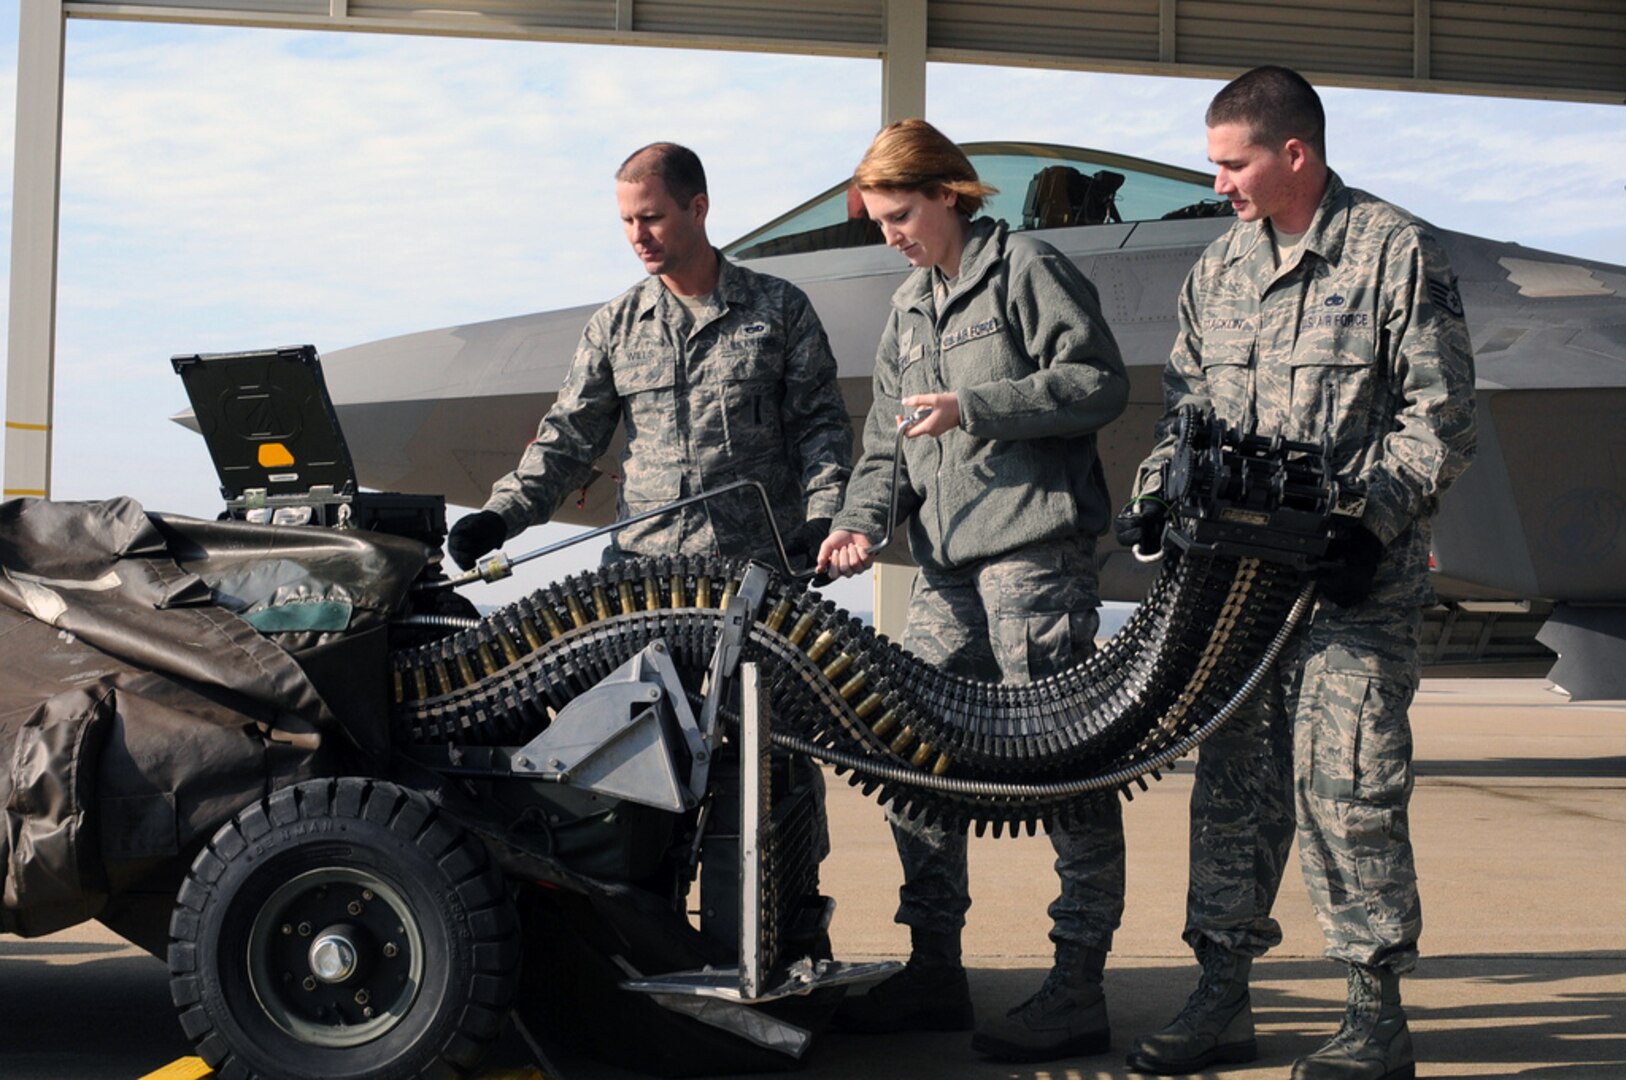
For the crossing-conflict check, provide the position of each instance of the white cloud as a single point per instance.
(1546, 174)
(225, 188)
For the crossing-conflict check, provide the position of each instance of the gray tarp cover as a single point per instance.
(140, 706)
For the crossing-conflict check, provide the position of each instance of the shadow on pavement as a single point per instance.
(52, 948)
(1539, 1016)
(1597, 768)
(1553, 1017)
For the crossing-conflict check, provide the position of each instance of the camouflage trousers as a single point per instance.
(1018, 618)
(1325, 741)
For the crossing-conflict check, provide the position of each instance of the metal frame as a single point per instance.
(36, 177)
(756, 798)
(714, 995)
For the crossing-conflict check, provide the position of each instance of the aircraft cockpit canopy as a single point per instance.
(1041, 186)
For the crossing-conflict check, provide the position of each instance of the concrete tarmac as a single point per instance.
(1519, 820)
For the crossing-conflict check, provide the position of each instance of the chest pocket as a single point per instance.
(1333, 394)
(651, 472)
(917, 371)
(981, 349)
(1228, 370)
(644, 370)
(917, 358)
(739, 399)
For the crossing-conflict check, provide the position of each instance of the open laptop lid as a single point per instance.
(268, 422)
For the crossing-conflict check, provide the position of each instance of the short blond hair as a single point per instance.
(911, 155)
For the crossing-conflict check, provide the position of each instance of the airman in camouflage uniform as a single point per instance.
(1002, 338)
(1020, 618)
(718, 373)
(1348, 330)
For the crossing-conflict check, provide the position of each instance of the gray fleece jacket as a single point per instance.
(1020, 338)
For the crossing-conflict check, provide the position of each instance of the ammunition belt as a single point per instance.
(955, 749)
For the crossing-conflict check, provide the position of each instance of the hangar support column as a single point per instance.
(903, 61)
(31, 339)
(903, 94)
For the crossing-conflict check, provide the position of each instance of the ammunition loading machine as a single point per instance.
(559, 774)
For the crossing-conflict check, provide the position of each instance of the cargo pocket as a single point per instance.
(53, 872)
(1038, 644)
(1359, 742)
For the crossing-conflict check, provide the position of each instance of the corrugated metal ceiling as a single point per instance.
(1572, 49)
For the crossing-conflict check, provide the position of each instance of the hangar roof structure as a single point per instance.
(1560, 49)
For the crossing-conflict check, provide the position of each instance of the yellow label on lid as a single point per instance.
(274, 454)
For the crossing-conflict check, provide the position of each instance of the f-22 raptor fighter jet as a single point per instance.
(1530, 547)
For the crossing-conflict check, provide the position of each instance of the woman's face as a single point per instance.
(927, 229)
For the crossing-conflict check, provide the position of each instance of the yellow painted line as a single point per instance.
(191, 1068)
(20, 426)
(12, 493)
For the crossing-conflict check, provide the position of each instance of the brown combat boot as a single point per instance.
(1215, 1026)
(1066, 1018)
(1373, 1043)
(931, 993)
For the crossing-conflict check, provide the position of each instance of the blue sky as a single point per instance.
(226, 189)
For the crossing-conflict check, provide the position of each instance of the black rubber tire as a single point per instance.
(406, 890)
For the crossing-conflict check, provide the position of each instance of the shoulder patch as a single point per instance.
(1445, 296)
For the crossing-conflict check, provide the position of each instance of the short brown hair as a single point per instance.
(911, 155)
(1276, 104)
(678, 168)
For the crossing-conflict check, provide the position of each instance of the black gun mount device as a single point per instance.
(1265, 497)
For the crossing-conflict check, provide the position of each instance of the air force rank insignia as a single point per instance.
(755, 329)
(1445, 297)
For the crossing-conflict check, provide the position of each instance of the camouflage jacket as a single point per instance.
(1021, 339)
(745, 392)
(1359, 335)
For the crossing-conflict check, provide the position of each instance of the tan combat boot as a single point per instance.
(1373, 1043)
(1215, 1026)
(1066, 1018)
(931, 993)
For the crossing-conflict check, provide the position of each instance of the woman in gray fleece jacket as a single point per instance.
(1001, 338)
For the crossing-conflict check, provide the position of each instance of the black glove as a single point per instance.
(807, 540)
(1352, 562)
(1139, 526)
(475, 535)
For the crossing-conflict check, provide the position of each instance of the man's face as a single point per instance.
(926, 230)
(1256, 179)
(666, 237)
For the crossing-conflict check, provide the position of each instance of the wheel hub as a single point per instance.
(333, 956)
